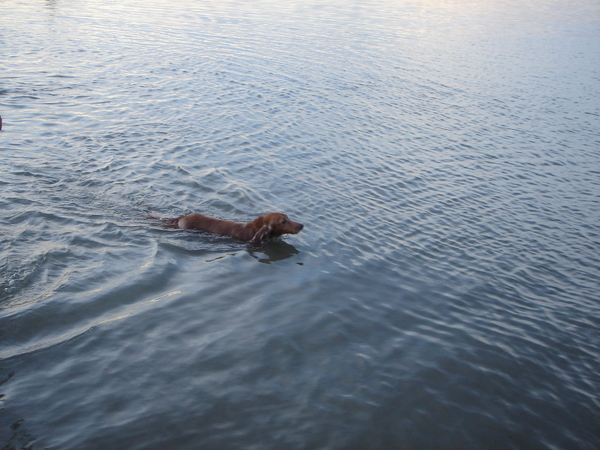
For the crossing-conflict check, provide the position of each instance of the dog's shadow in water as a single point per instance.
(271, 251)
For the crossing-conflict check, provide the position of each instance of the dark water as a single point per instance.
(443, 157)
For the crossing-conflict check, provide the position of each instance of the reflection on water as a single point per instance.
(272, 251)
(443, 156)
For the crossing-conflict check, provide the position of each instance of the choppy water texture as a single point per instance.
(443, 157)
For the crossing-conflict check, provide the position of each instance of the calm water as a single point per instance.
(443, 157)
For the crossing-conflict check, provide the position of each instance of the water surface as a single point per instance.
(443, 157)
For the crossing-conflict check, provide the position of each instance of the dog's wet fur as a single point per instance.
(262, 228)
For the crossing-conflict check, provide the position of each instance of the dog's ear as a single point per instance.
(263, 233)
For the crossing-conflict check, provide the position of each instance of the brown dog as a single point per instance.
(263, 227)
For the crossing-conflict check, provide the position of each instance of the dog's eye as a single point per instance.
(284, 221)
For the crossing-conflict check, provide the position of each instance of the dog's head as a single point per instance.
(274, 225)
